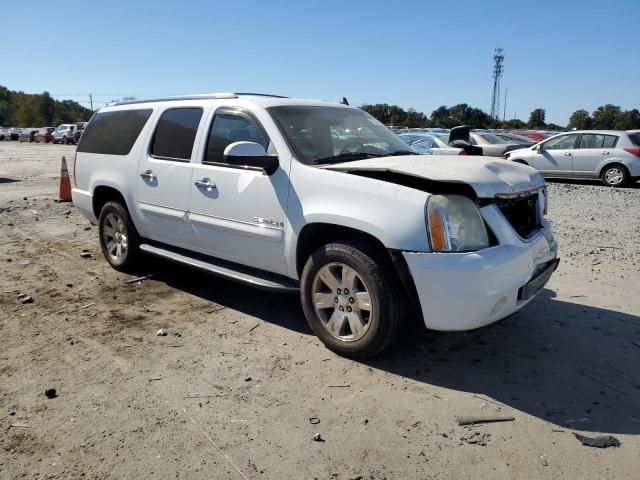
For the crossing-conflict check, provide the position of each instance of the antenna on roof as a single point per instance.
(344, 101)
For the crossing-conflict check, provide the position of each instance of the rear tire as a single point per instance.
(351, 298)
(119, 239)
(615, 176)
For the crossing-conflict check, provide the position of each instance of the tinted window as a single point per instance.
(561, 143)
(635, 138)
(113, 133)
(228, 128)
(595, 140)
(175, 133)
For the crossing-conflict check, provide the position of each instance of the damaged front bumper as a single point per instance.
(463, 291)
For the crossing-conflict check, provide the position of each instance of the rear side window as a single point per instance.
(175, 133)
(597, 140)
(113, 133)
(635, 138)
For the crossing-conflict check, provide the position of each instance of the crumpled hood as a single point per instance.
(486, 175)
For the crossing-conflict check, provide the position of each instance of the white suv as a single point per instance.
(610, 155)
(320, 198)
(63, 133)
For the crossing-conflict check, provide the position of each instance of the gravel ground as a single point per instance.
(239, 386)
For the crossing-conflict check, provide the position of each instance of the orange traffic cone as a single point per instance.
(65, 183)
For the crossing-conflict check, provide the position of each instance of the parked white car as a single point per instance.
(429, 144)
(612, 156)
(63, 133)
(259, 189)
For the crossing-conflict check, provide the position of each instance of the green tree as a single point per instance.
(604, 117)
(580, 120)
(537, 118)
(627, 120)
(47, 108)
(27, 114)
(440, 117)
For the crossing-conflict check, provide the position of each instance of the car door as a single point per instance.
(164, 175)
(591, 151)
(555, 156)
(238, 213)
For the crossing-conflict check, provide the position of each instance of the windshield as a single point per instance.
(491, 138)
(335, 134)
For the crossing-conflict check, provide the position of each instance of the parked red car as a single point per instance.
(44, 134)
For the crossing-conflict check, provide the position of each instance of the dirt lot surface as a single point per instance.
(239, 386)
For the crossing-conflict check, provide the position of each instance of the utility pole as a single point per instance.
(91, 101)
(504, 114)
(498, 68)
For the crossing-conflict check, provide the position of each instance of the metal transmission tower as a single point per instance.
(498, 67)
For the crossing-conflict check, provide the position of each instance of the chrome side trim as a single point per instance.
(162, 211)
(252, 279)
(256, 230)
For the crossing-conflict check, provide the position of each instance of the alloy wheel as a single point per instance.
(342, 301)
(614, 176)
(114, 237)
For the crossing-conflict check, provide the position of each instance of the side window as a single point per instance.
(595, 140)
(228, 128)
(561, 143)
(175, 133)
(609, 141)
(113, 133)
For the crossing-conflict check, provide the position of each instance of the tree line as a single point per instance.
(606, 117)
(19, 109)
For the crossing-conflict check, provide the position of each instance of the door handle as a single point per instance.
(567, 154)
(605, 153)
(205, 183)
(149, 175)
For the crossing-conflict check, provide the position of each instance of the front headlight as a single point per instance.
(455, 224)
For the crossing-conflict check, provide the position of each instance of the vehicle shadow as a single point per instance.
(278, 308)
(572, 365)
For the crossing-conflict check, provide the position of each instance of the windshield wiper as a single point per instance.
(345, 157)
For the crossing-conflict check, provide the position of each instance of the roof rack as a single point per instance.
(202, 96)
(260, 95)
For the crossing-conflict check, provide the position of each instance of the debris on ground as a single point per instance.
(318, 438)
(314, 420)
(598, 442)
(85, 254)
(490, 419)
(50, 393)
(161, 332)
(476, 438)
(138, 279)
(24, 298)
(20, 425)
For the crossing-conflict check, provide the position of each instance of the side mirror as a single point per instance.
(251, 154)
(539, 148)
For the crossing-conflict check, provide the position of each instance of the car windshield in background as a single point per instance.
(320, 135)
(491, 138)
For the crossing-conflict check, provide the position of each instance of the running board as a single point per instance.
(221, 268)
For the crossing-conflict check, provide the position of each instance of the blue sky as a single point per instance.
(560, 55)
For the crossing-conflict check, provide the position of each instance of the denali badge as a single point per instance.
(265, 221)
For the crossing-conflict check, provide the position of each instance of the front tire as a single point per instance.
(615, 176)
(119, 238)
(350, 297)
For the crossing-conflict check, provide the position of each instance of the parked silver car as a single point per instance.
(610, 155)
